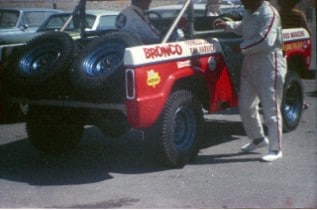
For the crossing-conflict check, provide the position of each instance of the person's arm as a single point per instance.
(231, 26)
(234, 26)
(266, 35)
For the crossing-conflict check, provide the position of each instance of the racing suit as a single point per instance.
(263, 72)
(132, 19)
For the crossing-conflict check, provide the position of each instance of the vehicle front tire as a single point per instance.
(175, 138)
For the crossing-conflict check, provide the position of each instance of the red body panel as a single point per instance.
(298, 43)
(155, 82)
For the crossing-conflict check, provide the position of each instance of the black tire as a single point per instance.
(42, 58)
(175, 138)
(99, 60)
(54, 130)
(293, 99)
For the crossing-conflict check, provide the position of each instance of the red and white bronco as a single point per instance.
(115, 82)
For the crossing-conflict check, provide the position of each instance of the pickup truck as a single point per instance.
(116, 82)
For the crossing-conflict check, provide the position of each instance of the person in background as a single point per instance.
(132, 19)
(262, 74)
(292, 17)
(213, 8)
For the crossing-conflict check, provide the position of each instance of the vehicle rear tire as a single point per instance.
(54, 130)
(99, 66)
(293, 99)
(175, 138)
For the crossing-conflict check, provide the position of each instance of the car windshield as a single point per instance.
(56, 22)
(34, 18)
(8, 19)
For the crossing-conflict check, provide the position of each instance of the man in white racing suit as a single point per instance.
(132, 19)
(262, 74)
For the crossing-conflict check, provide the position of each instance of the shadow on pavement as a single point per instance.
(239, 157)
(95, 157)
(221, 131)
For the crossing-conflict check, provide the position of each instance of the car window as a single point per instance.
(56, 22)
(90, 20)
(171, 13)
(34, 18)
(107, 21)
(8, 19)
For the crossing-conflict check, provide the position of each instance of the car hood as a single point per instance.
(23, 38)
(18, 38)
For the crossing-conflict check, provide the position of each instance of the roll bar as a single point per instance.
(187, 5)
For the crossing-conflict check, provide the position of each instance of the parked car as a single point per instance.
(96, 20)
(171, 11)
(14, 21)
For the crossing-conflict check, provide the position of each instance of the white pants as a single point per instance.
(262, 79)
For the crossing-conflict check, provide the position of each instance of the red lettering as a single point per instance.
(162, 51)
(297, 34)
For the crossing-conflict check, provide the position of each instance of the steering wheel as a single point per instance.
(149, 14)
(157, 20)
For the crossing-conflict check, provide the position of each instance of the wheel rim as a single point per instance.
(184, 124)
(39, 58)
(104, 61)
(292, 103)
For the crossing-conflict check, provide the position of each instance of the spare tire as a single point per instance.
(41, 59)
(98, 62)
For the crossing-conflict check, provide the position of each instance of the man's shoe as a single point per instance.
(256, 143)
(273, 155)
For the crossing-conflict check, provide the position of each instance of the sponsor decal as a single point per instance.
(295, 34)
(292, 46)
(196, 42)
(183, 64)
(162, 51)
(202, 49)
(153, 78)
(121, 21)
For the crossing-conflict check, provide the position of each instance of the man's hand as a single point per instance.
(219, 24)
